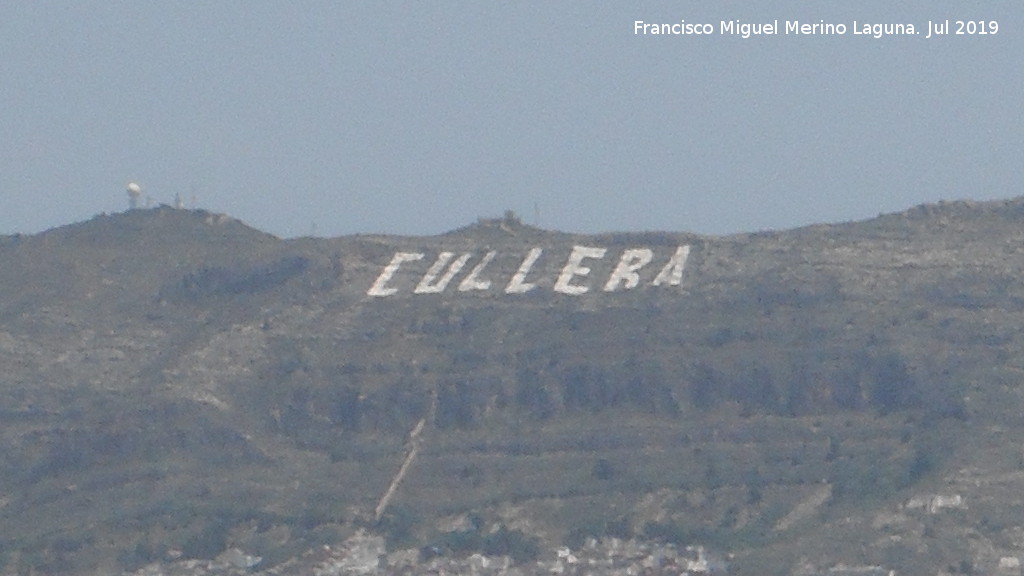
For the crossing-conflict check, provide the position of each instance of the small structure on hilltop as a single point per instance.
(134, 193)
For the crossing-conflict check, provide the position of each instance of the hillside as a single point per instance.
(176, 383)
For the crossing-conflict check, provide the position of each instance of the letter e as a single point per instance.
(574, 267)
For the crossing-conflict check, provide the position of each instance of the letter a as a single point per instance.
(378, 288)
(673, 271)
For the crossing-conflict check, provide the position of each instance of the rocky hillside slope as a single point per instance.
(176, 384)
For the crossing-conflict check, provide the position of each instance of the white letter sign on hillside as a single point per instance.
(378, 288)
(518, 285)
(574, 267)
(429, 284)
(573, 278)
(673, 271)
(626, 271)
(473, 282)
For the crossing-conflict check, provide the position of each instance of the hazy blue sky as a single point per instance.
(418, 118)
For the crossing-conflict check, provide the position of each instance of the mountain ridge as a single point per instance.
(201, 385)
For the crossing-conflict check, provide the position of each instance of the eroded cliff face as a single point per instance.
(174, 380)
